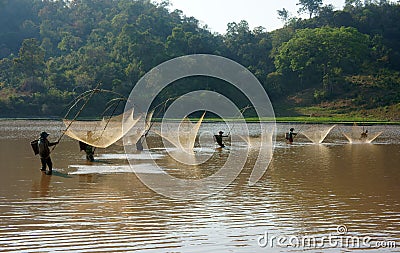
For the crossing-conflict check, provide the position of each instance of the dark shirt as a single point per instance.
(89, 150)
(218, 138)
(44, 150)
(291, 136)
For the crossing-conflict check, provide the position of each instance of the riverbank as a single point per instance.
(295, 119)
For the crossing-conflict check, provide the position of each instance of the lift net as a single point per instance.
(355, 135)
(136, 132)
(317, 133)
(102, 133)
(183, 134)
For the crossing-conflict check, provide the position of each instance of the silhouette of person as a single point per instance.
(219, 140)
(88, 148)
(44, 152)
(290, 136)
(364, 134)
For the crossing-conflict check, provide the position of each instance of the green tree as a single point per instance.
(31, 61)
(310, 6)
(6, 70)
(69, 43)
(353, 4)
(324, 53)
(283, 15)
(238, 40)
(177, 43)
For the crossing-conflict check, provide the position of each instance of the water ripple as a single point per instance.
(307, 190)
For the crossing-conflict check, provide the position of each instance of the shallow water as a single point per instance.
(308, 190)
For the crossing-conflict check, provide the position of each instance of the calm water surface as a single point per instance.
(308, 190)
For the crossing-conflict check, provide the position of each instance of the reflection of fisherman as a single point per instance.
(44, 152)
(364, 134)
(218, 139)
(44, 186)
(290, 136)
(88, 148)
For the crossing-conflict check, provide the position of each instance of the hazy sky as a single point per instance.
(218, 13)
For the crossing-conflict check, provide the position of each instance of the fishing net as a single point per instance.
(181, 134)
(359, 134)
(318, 133)
(136, 132)
(102, 133)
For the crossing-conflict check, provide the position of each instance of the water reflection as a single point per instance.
(41, 189)
(308, 189)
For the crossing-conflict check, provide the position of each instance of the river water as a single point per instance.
(308, 191)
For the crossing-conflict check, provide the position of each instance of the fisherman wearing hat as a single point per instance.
(44, 151)
(219, 137)
(290, 136)
(364, 135)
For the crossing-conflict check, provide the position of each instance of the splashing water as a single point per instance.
(355, 136)
(317, 134)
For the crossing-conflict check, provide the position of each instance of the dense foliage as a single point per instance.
(53, 50)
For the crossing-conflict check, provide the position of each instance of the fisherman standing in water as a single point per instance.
(290, 136)
(364, 134)
(44, 152)
(88, 148)
(219, 137)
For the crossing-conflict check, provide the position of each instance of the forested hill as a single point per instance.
(336, 62)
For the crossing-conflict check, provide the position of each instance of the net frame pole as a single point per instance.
(77, 114)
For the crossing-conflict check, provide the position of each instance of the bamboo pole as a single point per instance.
(108, 121)
(77, 114)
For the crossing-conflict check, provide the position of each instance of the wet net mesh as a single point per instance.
(181, 134)
(137, 131)
(355, 135)
(317, 133)
(102, 133)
